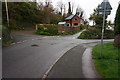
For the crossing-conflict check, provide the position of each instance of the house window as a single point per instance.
(67, 24)
(75, 24)
(75, 19)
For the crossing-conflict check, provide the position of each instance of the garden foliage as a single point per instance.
(95, 33)
(47, 29)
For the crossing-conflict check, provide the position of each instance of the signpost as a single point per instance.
(104, 9)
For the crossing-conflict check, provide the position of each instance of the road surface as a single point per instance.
(32, 55)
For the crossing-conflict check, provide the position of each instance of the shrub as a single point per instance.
(6, 37)
(83, 26)
(40, 27)
(52, 29)
(47, 29)
(93, 33)
(109, 34)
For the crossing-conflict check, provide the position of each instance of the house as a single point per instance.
(71, 24)
(110, 27)
(73, 20)
(82, 21)
(62, 23)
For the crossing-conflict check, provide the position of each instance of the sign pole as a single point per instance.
(103, 30)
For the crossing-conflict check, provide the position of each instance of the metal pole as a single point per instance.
(102, 31)
(7, 12)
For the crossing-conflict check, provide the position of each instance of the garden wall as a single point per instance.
(67, 29)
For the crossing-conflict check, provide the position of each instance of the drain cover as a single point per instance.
(39, 39)
(34, 45)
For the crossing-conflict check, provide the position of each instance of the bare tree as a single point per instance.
(72, 7)
(48, 3)
(79, 12)
(60, 6)
(64, 10)
(69, 9)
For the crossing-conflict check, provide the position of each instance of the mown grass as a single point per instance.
(108, 65)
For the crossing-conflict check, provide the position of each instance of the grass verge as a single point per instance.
(108, 65)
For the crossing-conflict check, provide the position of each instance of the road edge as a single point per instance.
(88, 66)
(50, 68)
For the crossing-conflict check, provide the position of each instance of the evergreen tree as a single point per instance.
(69, 9)
(117, 28)
(117, 21)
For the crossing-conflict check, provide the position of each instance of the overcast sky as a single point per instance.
(89, 5)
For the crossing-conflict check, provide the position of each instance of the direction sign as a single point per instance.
(108, 6)
(107, 12)
(105, 6)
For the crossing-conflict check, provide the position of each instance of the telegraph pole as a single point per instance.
(7, 13)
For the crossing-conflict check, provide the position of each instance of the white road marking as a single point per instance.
(36, 38)
(19, 42)
(12, 43)
(25, 40)
(45, 37)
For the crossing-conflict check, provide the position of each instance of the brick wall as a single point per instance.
(78, 19)
(66, 29)
(72, 21)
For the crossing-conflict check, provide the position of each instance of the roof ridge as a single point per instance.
(70, 17)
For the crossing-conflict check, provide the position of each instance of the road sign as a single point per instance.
(105, 6)
(108, 6)
(107, 12)
(104, 9)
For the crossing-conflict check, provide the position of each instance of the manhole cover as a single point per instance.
(52, 43)
(39, 39)
(34, 45)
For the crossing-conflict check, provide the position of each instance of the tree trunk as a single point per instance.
(117, 41)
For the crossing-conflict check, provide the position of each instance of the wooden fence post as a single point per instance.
(36, 27)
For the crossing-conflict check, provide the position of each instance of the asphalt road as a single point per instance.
(32, 55)
(69, 65)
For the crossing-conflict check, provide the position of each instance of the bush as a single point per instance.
(83, 26)
(52, 29)
(47, 29)
(109, 34)
(40, 27)
(6, 37)
(93, 33)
